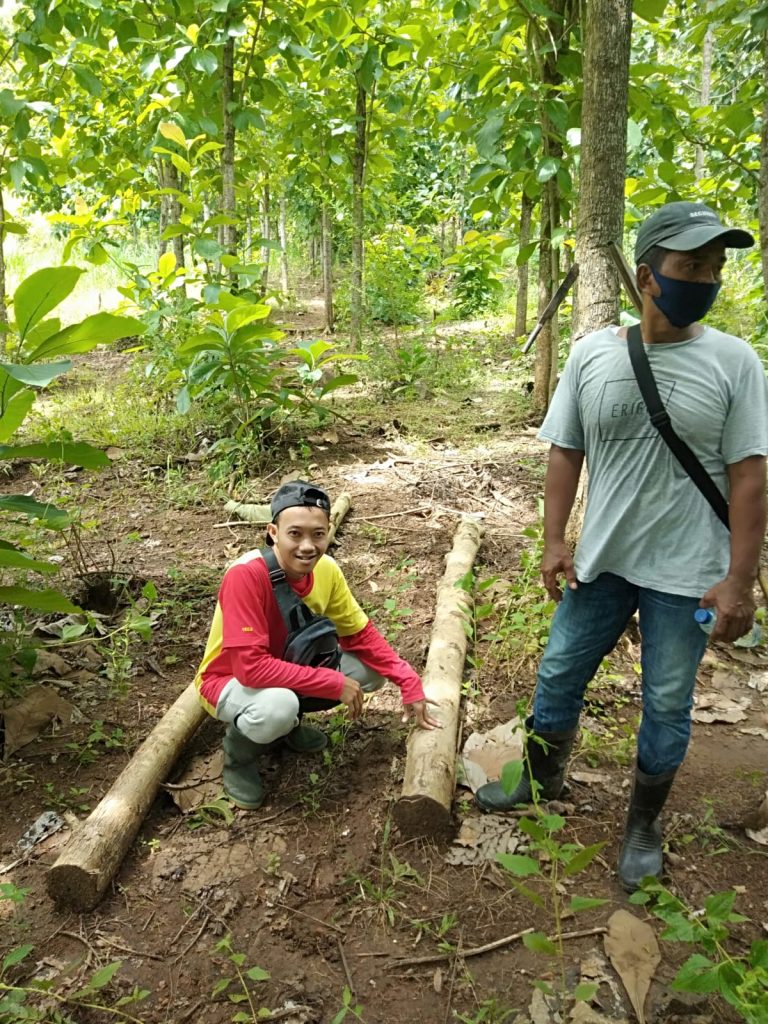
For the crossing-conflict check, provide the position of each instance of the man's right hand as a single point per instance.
(352, 696)
(557, 561)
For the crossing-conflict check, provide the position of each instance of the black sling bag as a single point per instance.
(661, 421)
(312, 639)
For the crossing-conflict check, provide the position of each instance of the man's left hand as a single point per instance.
(735, 604)
(419, 712)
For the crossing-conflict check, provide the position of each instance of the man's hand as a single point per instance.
(352, 696)
(734, 602)
(557, 561)
(420, 713)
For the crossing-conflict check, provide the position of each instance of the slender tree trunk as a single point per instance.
(174, 217)
(762, 205)
(313, 251)
(283, 229)
(266, 252)
(3, 296)
(228, 205)
(327, 254)
(603, 161)
(548, 338)
(521, 301)
(162, 224)
(358, 216)
(707, 51)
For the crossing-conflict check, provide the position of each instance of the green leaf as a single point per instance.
(719, 905)
(18, 560)
(183, 401)
(16, 956)
(511, 776)
(518, 864)
(99, 329)
(103, 976)
(166, 264)
(75, 453)
(698, 974)
(40, 600)
(538, 942)
(208, 248)
(15, 413)
(343, 380)
(54, 517)
(650, 10)
(204, 60)
(547, 169)
(488, 137)
(581, 859)
(246, 315)
(257, 974)
(584, 903)
(41, 292)
(37, 376)
(210, 341)
(584, 991)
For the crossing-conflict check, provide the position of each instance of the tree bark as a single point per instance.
(3, 296)
(359, 154)
(266, 251)
(162, 223)
(707, 51)
(283, 230)
(603, 161)
(762, 202)
(327, 256)
(228, 204)
(424, 807)
(521, 300)
(547, 342)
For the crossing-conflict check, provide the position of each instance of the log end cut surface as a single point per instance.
(73, 886)
(418, 816)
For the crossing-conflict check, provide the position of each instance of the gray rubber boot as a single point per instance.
(547, 766)
(641, 853)
(304, 739)
(242, 782)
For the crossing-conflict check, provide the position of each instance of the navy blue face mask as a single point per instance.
(684, 302)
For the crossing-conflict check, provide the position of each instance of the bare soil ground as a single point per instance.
(317, 888)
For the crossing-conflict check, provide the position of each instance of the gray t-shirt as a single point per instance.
(645, 519)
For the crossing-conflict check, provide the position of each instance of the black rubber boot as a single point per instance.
(242, 782)
(546, 764)
(641, 853)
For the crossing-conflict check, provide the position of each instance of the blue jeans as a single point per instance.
(587, 626)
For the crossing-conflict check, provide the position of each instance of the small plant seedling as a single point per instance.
(236, 986)
(349, 1008)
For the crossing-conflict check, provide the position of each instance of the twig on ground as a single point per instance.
(457, 956)
(392, 515)
(288, 1011)
(193, 940)
(127, 949)
(345, 965)
(302, 913)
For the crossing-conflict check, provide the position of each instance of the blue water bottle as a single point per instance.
(707, 617)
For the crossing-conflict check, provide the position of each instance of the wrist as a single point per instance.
(743, 577)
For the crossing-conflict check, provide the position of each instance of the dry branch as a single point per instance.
(424, 807)
(91, 858)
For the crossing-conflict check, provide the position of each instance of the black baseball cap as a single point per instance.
(685, 226)
(298, 494)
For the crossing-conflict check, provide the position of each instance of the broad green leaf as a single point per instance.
(37, 376)
(99, 329)
(342, 381)
(103, 976)
(204, 60)
(183, 401)
(74, 453)
(18, 560)
(511, 776)
(54, 517)
(257, 974)
(172, 131)
(488, 137)
(246, 315)
(584, 991)
(547, 169)
(585, 903)
(41, 292)
(538, 942)
(650, 10)
(40, 332)
(518, 864)
(15, 413)
(581, 859)
(529, 826)
(208, 248)
(208, 342)
(15, 957)
(40, 600)
(758, 956)
(719, 905)
(698, 974)
(166, 264)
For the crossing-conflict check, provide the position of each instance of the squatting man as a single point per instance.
(651, 542)
(243, 679)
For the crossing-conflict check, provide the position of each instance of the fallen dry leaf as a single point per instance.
(200, 783)
(480, 839)
(719, 707)
(757, 823)
(634, 952)
(26, 719)
(486, 753)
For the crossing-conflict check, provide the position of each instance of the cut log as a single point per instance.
(424, 807)
(87, 865)
(261, 514)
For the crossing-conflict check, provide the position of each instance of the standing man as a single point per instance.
(243, 679)
(650, 541)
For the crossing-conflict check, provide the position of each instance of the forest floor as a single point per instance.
(317, 888)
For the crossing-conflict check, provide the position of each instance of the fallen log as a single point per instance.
(91, 858)
(424, 807)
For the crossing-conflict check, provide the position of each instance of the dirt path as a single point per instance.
(317, 888)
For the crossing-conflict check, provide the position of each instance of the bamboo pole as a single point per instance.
(91, 858)
(424, 807)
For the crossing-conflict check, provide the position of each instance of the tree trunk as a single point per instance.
(762, 205)
(3, 297)
(548, 339)
(358, 216)
(174, 217)
(424, 808)
(521, 300)
(327, 255)
(266, 252)
(313, 250)
(283, 229)
(707, 51)
(603, 161)
(228, 205)
(162, 223)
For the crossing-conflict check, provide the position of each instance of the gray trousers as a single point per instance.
(266, 715)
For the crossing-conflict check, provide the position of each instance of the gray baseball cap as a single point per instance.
(685, 226)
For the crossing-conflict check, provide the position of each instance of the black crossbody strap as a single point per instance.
(660, 419)
(293, 610)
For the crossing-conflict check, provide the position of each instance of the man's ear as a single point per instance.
(272, 531)
(646, 282)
